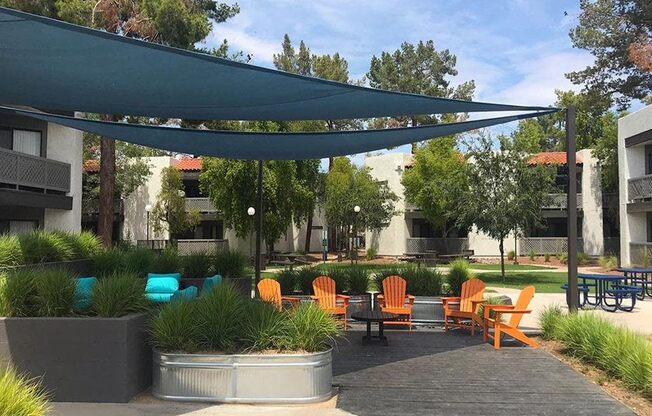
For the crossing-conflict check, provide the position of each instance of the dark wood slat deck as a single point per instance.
(434, 373)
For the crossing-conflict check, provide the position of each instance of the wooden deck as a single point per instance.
(434, 373)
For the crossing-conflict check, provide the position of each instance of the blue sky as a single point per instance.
(517, 51)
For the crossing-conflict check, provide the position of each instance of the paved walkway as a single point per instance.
(433, 373)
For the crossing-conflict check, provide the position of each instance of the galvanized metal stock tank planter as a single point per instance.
(243, 378)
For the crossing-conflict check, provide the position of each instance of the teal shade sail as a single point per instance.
(267, 146)
(48, 64)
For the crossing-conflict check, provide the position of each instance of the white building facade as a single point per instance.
(409, 232)
(635, 183)
(40, 176)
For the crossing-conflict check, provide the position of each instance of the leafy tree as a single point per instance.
(506, 193)
(348, 185)
(179, 23)
(418, 69)
(619, 34)
(169, 211)
(231, 187)
(437, 183)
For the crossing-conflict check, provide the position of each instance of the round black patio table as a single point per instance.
(374, 316)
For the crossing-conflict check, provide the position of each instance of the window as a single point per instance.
(28, 142)
(22, 227)
(6, 140)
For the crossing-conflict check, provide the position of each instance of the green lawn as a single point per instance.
(544, 282)
(509, 266)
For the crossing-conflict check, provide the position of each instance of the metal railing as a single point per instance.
(543, 245)
(640, 253)
(440, 245)
(201, 204)
(21, 169)
(639, 188)
(186, 247)
(560, 201)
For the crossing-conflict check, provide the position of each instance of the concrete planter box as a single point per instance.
(358, 303)
(426, 310)
(242, 285)
(81, 359)
(243, 378)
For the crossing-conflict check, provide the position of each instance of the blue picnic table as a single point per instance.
(640, 277)
(607, 291)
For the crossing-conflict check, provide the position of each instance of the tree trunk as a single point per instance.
(306, 248)
(107, 188)
(501, 247)
(414, 144)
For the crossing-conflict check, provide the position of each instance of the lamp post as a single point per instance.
(148, 209)
(356, 210)
(251, 211)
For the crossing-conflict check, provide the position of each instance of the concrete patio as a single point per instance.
(423, 372)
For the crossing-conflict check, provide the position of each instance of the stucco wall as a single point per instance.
(391, 240)
(65, 145)
(592, 224)
(631, 163)
(134, 226)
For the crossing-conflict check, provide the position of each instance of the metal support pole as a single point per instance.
(571, 209)
(259, 219)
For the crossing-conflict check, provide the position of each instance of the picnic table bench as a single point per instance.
(609, 292)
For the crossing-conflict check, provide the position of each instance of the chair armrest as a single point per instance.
(447, 299)
(345, 298)
(475, 304)
(505, 307)
(410, 299)
(512, 311)
(315, 298)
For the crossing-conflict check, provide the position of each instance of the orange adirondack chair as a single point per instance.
(510, 328)
(327, 297)
(470, 300)
(270, 291)
(395, 300)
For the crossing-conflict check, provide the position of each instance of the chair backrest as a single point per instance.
(472, 289)
(522, 303)
(210, 283)
(324, 288)
(394, 291)
(270, 291)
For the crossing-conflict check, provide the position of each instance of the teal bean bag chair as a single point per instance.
(210, 283)
(161, 287)
(83, 292)
(188, 293)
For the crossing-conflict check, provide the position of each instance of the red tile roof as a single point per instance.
(91, 166)
(190, 164)
(553, 158)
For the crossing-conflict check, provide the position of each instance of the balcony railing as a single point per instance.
(200, 204)
(560, 200)
(189, 246)
(440, 245)
(639, 188)
(21, 169)
(546, 245)
(640, 253)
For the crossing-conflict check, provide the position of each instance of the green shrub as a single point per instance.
(220, 314)
(583, 259)
(546, 257)
(371, 253)
(20, 396)
(176, 328)
(139, 260)
(82, 245)
(230, 263)
(54, 293)
(609, 262)
(422, 281)
(458, 273)
(549, 321)
(265, 328)
(197, 265)
(311, 329)
(620, 352)
(531, 255)
(108, 262)
(40, 247)
(10, 252)
(357, 280)
(511, 255)
(490, 301)
(288, 281)
(562, 257)
(305, 277)
(168, 261)
(646, 257)
(18, 294)
(118, 295)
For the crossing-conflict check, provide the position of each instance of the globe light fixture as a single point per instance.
(356, 208)
(251, 211)
(148, 208)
